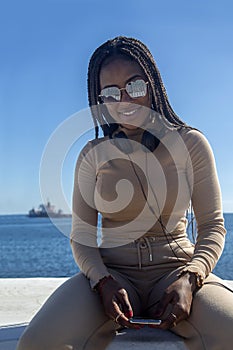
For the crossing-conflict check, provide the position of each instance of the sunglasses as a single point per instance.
(135, 89)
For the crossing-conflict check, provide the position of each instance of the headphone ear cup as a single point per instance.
(150, 141)
(121, 141)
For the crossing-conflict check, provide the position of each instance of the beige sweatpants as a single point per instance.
(73, 317)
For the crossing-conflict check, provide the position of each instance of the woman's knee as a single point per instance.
(30, 340)
(25, 342)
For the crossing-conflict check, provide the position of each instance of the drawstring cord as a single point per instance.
(142, 243)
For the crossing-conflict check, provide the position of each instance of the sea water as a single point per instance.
(34, 247)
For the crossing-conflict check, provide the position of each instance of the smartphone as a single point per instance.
(145, 321)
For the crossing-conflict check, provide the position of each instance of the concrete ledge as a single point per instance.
(147, 339)
(143, 339)
(21, 298)
(9, 336)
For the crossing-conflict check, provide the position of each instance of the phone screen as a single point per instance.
(145, 321)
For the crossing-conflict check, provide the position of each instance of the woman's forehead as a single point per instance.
(119, 70)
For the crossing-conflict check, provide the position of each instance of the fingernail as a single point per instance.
(129, 314)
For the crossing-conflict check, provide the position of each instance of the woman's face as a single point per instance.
(119, 72)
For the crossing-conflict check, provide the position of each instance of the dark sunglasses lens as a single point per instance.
(136, 88)
(111, 94)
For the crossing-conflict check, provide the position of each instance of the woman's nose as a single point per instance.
(125, 96)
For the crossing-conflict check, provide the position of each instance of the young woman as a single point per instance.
(141, 176)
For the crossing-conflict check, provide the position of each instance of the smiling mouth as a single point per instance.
(129, 113)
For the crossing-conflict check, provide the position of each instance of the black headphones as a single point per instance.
(121, 141)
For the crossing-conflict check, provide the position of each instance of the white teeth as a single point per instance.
(129, 113)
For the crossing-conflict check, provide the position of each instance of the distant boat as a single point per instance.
(47, 210)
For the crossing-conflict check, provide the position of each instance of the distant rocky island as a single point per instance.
(47, 210)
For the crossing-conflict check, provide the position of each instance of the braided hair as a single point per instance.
(135, 50)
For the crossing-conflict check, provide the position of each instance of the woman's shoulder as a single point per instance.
(190, 132)
(193, 136)
(92, 150)
(88, 153)
(92, 144)
(195, 141)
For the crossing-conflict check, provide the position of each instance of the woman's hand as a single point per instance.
(180, 295)
(116, 302)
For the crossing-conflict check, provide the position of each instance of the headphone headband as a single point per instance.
(122, 142)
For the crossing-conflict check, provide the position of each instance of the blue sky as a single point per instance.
(45, 48)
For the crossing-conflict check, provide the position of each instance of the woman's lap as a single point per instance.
(74, 315)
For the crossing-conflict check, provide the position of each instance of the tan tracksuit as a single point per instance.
(142, 198)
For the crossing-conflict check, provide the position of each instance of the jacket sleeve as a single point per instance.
(207, 205)
(85, 218)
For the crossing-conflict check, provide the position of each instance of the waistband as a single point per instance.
(145, 241)
(149, 251)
